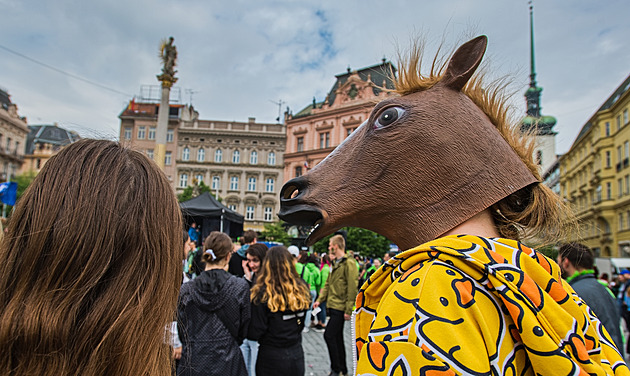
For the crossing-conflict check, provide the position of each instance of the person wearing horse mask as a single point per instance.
(442, 172)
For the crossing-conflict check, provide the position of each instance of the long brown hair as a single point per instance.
(91, 267)
(278, 285)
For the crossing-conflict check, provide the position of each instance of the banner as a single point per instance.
(8, 192)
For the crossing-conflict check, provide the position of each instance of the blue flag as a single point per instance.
(8, 192)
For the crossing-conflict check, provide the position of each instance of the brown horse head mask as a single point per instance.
(420, 165)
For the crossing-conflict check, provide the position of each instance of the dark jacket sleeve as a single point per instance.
(259, 323)
(245, 308)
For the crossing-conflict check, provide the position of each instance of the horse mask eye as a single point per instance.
(388, 116)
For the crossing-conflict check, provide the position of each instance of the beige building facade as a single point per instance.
(42, 142)
(13, 132)
(595, 177)
(316, 130)
(242, 163)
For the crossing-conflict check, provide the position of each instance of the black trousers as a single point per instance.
(334, 341)
(286, 361)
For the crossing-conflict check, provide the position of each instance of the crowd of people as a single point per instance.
(95, 296)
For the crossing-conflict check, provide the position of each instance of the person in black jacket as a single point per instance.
(280, 299)
(576, 262)
(213, 315)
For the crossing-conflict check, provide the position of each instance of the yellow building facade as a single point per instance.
(595, 177)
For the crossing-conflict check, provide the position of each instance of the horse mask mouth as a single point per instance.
(296, 210)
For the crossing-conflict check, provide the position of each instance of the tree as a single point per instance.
(361, 241)
(195, 190)
(276, 232)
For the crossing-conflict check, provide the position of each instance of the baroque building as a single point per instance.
(242, 162)
(595, 177)
(317, 129)
(42, 142)
(138, 126)
(13, 132)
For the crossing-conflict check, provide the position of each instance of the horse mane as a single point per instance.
(490, 96)
(534, 212)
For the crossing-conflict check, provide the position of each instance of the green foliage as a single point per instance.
(23, 181)
(275, 232)
(195, 190)
(361, 241)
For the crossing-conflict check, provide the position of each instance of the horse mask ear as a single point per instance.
(464, 63)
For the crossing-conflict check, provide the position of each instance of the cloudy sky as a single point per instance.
(236, 58)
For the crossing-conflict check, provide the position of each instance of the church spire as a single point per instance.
(534, 121)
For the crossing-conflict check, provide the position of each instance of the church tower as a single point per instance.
(534, 123)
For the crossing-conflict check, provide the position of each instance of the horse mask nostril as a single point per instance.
(290, 192)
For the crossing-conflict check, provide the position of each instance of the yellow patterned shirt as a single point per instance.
(466, 305)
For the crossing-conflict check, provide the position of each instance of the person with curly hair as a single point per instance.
(280, 299)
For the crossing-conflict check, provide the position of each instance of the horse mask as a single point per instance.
(420, 165)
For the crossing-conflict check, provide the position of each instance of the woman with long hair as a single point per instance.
(280, 299)
(91, 267)
(213, 315)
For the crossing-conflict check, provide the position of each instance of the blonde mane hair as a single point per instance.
(534, 212)
(278, 285)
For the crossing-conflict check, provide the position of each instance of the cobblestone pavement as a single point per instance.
(316, 352)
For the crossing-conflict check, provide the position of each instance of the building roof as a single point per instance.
(49, 134)
(378, 74)
(608, 103)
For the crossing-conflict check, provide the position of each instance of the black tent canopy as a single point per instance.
(212, 215)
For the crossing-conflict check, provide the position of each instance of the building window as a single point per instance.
(620, 221)
(253, 157)
(216, 181)
(618, 122)
(324, 140)
(626, 149)
(201, 155)
(269, 185)
(618, 154)
(251, 184)
(167, 158)
(625, 116)
(539, 157)
(349, 131)
(183, 180)
(608, 191)
(598, 192)
(169, 135)
(271, 158)
(151, 133)
(298, 171)
(249, 213)
(607, 129)
(300, 144)
(236, 156)
(218, 156)
(232, 207)
(608, 159)
(620, 184)
(234, 183)
(185, 154)
(627, 184)
(150, 154)
(199, 178)
(268, 214)
(127, 135)
(141, 133)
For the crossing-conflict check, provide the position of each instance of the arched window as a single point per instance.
(218, 156)
(253, 157)
(271, 158)
(201, 155)
(186, 154)
(236, 156)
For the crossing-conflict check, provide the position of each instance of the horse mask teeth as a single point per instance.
(428, 171)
